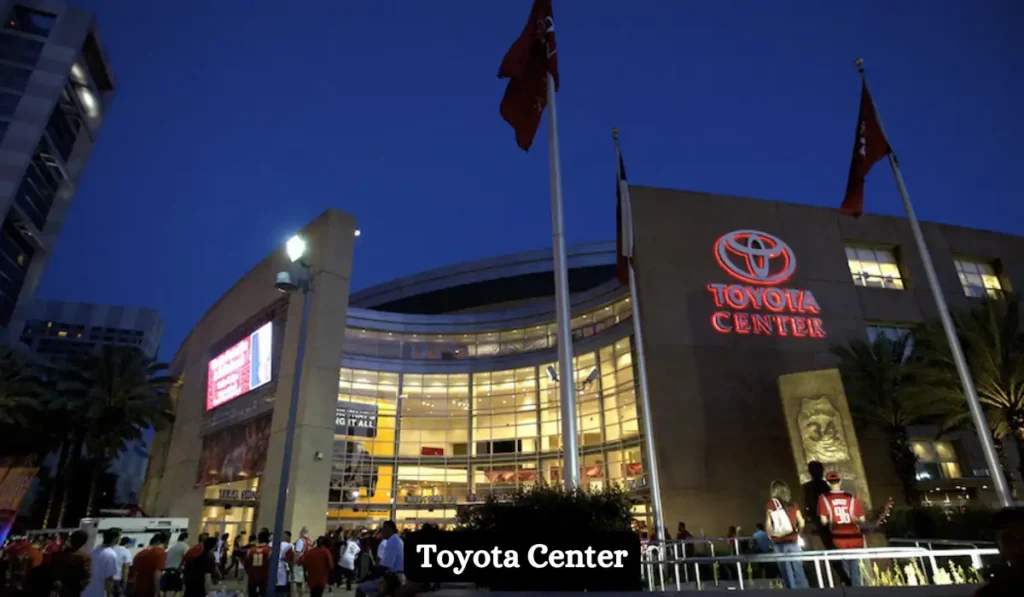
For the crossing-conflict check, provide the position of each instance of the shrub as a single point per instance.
(965, 524)
(550, 509)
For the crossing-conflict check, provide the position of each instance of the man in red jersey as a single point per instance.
(843, 514)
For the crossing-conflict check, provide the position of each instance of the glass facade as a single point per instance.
(414, 446)
(447, 347)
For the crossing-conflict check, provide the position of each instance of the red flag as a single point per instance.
(527, 64)
(869, 146)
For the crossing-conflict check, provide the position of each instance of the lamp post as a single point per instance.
(297, 278)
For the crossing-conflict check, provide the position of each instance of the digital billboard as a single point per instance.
(241, 368)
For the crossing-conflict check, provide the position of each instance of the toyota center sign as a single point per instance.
(760, 306)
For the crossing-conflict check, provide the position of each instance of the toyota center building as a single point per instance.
(439, 389)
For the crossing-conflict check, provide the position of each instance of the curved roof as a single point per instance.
(489, 284)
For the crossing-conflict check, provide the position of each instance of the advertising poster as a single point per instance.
(353, 468)
(355, 419)
(16, 477)
(241, 368)
(235, 453)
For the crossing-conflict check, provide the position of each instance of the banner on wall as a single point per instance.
(16, 477)
(234, 454)
(352, 467)
(355, 419)
(821, 432)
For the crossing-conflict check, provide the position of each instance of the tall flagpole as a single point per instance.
(566, 374)
(973, 404)
(645, 400)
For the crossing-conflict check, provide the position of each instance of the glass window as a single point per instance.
(20, 50)
(935, 461)
(8, 104)
(874, 267)
(978, 278)
(893, 333)
(14, 78)
(31, 21)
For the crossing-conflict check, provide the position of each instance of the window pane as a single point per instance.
(875, 268)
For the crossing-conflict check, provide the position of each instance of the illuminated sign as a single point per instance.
(246, 495)
(241, 368)
(355, 419)
(762, 261)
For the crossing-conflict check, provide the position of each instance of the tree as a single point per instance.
(115, 394)
(879, 381)
(993, 344)
(20, 396)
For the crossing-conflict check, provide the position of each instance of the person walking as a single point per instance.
(284, 564)
(72, 568)
(842, 514)
(783, 522)
(124, 562)
(391, 570)
(257, 565)
(148, 566)
(201, 571)
(170, 582)
(346, 562)
(298, 570)
(318, 563)
(104, 566)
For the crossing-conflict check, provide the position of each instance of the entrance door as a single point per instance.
(216, 528)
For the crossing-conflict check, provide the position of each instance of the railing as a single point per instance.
(666, 566)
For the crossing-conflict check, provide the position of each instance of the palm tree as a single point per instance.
(993, 344)
(116, 393)
(21, 400)
(879, 380)
(20, 389)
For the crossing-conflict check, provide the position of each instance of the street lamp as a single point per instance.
(296, 278)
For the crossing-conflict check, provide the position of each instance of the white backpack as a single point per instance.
(781, 524)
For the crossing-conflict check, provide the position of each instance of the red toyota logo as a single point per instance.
(755, 257)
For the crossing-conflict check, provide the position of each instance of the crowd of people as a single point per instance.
(835, 518)
(59, 566)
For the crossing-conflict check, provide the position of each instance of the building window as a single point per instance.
(978, 278)
(874, 267)
(892, 333)
(14, 78)
(20, 50)
(8, 104)
(31, 21)
(935, 461)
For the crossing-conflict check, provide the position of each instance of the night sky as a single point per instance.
(235, 122)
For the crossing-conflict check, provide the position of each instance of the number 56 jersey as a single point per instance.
(842, 510)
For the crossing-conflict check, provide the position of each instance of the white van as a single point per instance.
(139, 530)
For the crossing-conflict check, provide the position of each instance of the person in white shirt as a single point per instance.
(282, 566)
(298, 572)
(392, 564)
(104, 566)
(124, 561)
(171, 581)
(380, 549)
(347, 561)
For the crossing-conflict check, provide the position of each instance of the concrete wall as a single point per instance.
(719, 425)
(173, 493)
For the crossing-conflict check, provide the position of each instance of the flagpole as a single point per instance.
(566, 374)
(645, 401)
(973, 404)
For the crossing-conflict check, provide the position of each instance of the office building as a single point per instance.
(437, 389)
(60, 328)
(55, 88)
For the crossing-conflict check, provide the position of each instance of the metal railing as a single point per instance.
(665, 567)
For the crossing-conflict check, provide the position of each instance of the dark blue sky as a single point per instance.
(237, 121)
